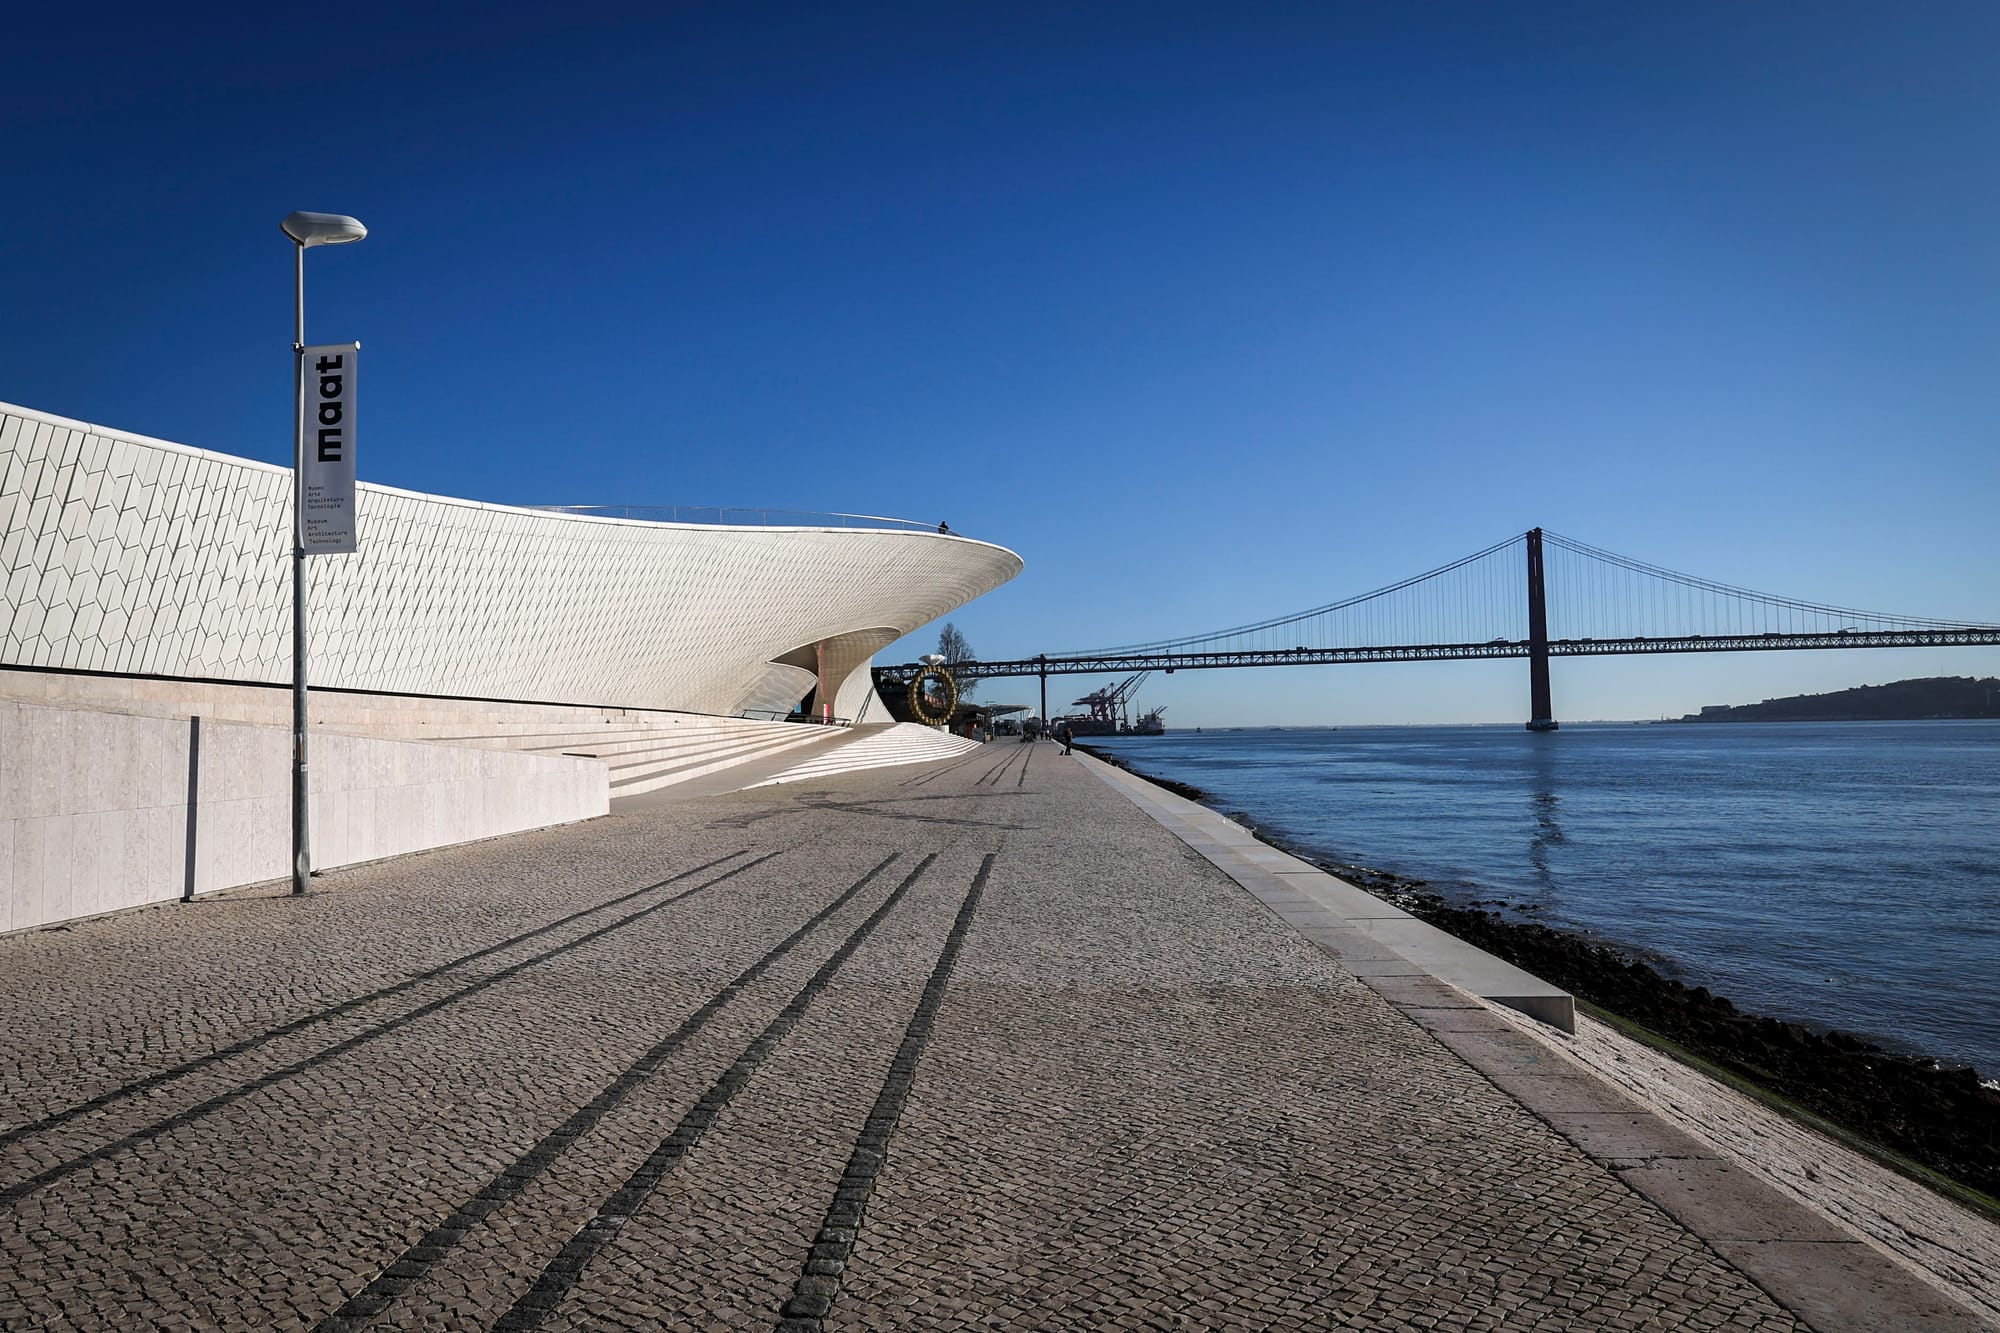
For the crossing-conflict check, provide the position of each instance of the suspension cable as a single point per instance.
(1278, 622)
(1691, 581)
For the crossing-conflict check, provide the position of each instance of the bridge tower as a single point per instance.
(1541, 712)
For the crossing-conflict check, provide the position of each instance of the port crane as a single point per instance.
(1109, 708)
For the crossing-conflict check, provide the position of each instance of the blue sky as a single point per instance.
(1212, 313)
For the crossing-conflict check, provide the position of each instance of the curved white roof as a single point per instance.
(120, 553)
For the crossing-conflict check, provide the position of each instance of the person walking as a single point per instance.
(1064, 735)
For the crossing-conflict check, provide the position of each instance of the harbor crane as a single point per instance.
(1108, 707)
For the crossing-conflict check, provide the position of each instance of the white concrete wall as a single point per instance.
(95, 809)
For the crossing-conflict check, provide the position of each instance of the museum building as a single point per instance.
(476, 669)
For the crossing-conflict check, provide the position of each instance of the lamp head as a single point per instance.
(308, 229)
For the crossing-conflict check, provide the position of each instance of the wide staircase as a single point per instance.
(642, 750)
(643, 753)
(645, 756)
(874, 747)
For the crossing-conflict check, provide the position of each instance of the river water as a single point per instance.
(1837, 874)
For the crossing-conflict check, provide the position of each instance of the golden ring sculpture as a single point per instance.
(920, 704)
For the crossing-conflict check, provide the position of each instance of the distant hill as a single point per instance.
(1903, 700)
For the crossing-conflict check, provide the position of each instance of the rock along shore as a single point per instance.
(1941, 1118)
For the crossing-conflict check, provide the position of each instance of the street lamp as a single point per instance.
(306, 230)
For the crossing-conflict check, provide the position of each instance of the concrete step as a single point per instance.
(659, 743)
(644, 753)
(878, 747)
(546, 738)
(677, 750)
(635, 779)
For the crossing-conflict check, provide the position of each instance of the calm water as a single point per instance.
(1845, 874)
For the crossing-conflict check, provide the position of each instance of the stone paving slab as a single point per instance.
(972, 1045)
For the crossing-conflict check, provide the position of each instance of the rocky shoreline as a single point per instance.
(1941, 1118)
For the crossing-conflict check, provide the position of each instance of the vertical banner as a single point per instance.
(327, 481)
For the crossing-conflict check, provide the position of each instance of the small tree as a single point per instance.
(954, 649)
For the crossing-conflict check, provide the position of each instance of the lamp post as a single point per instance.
(306, 230)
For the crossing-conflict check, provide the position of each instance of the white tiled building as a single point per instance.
(140, 577)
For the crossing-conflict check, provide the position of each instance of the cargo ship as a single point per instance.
(1110, 712)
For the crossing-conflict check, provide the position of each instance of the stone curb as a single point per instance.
(1828, 1277)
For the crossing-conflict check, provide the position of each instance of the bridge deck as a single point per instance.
(967, 1045)
(1154, 660)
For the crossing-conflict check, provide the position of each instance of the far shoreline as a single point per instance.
(1937, 1123)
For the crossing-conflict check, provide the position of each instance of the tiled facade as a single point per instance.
(125, 554)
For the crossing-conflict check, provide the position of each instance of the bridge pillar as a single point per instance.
(1043, 658)
(1541, 712)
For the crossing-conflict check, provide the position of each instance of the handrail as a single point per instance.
(737, 515)
(785, 715)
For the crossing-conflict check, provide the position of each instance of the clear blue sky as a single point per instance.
(1212, 313)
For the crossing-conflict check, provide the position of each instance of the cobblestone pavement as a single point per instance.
(972, 1045)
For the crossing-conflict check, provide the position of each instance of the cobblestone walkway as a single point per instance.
(975, 1045)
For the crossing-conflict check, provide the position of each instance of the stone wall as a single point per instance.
(103, 811)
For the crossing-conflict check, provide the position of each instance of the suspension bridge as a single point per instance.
(1536, 595)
